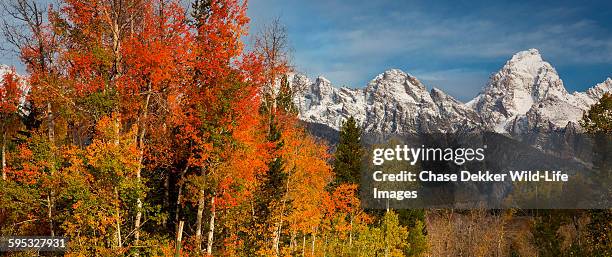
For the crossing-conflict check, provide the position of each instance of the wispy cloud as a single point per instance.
(351, 41)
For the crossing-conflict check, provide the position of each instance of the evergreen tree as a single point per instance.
(598, 121)
(285, 96)
(599, 118)
(349, 154)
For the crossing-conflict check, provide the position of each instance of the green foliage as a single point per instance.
(100, 103)
(393, 235)
(545, 234)
(349, 154)
(285, 97)
(387, 239)
(17, 202)
(417, 240)
(599, 117)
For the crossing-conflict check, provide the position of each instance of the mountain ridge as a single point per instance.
(526, 94)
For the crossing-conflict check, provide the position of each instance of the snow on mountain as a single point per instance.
(593, 94)
(393, 102)
(522, 84)
(526, 94)
(396, 103)
(320, 102)
(461, 116)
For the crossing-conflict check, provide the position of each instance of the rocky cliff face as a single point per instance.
(525, 95)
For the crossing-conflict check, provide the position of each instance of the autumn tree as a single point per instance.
(219, 98)
(11, 91)
(139, 118)
(25, 29)
(154, 58)
(271, 45)
(107, 190)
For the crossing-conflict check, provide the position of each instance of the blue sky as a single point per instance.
(453, 45)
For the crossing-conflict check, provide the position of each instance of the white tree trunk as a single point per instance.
(179, 238)
(314, 239)
(138, 171)
(211, 230)
(351, 233)
(303, 245)
(199, 221)
(51, 124)
(118, 220)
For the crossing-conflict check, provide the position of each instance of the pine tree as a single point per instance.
(349, 154)
(285, 96)
(599, 117)
(275, 177)
(598, 121)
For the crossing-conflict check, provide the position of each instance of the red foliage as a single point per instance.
(11, 93)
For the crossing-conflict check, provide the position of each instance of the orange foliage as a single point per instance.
(132, 85)
(10, 94)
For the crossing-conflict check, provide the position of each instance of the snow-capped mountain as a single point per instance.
(393, 102)
(526, 94)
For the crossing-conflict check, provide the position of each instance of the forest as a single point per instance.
(153, 128)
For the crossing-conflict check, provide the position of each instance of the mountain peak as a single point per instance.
(394, 72)
(399, 85)
(529, 62)
(598, 90)
(525, 80)
(391, 75)
(531, 53)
